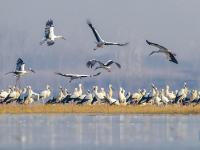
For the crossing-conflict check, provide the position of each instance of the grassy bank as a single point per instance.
(17, 109)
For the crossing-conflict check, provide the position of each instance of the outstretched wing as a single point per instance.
(118, 44)
(96, 34)
(156, 45)
(64, 75)
(83, 76)
(10, 72)
(49, 24)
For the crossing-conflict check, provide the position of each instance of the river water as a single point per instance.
(98, 131)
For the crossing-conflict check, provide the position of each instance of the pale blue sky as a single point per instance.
(172, 23)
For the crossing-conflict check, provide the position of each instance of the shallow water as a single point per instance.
(86, 131)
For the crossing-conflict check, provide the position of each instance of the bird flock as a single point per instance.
(95, 95)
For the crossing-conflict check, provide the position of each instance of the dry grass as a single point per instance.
(175, 109)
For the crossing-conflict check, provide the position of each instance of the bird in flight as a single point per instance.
(49, 36)
(106, 65)
(170, 56)
(76, 76)
(99, 41)
(20, 70)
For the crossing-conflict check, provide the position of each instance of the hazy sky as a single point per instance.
(172, 23)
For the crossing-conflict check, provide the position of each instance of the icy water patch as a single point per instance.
(97, 131)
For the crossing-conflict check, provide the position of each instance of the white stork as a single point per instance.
(106, 65)
(76, 76)
(99, 41)
(162, 49)
(45, 94)
(20, 70)
(49, 36)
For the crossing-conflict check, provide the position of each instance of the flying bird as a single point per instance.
(99, 41)
(49, 36)
(20, 70)
(170, 56)
(106, 65)
(76, 76)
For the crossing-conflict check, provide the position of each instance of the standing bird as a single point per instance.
(106, 65)
(49, 36)
(13, 95)
(45, 94)
(167, 52)
(20, 70)
(76, 76)
(100, 42)
(4, 94)
(122, 97)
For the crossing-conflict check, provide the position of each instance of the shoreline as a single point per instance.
(104, 109)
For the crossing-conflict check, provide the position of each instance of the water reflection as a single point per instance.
(99, 131)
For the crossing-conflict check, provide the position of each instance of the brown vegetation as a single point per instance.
(172, 109)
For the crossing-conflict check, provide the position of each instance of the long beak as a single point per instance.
(32, 70)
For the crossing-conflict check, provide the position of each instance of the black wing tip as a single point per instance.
(176, 62)
(49, 22)
(148, 42)
(173, 61)
(57, 73)
(119, 66)
(89, 22)
(20, 59)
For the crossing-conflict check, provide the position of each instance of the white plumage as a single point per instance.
(49, 36)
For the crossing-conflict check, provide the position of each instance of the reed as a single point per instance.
(39, 108)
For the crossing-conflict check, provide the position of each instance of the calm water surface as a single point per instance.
(86, 131)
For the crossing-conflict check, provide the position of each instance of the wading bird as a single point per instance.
(167, 52)
(76, 76)
(20, 70)
(106, 65)
(99, 41)
(49, 36)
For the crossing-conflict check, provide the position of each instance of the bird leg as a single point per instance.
(70, 80)
(18, 81)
